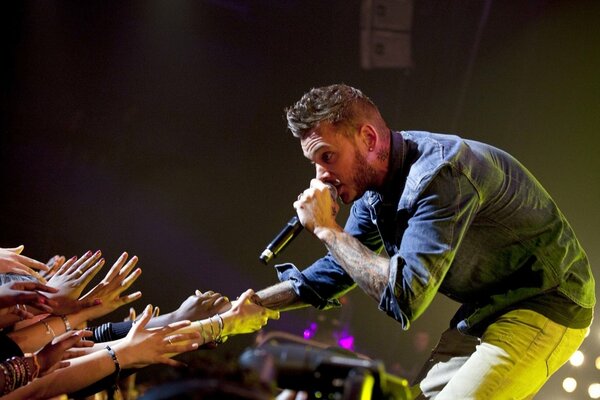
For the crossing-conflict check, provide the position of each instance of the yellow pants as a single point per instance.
(512, 360)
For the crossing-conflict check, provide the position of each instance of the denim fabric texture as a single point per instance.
(461, 218)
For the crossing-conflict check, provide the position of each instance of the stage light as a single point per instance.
(577, 359)
(569, 384)
(597, 363)
(309, 332)
(346, 342)
(594, 390)
(344, 339)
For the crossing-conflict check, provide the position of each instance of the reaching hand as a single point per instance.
(201, 306)
(21, 293)
(143, 346)
(70, 280)
(81, 348)
(53, 265)
(246, 316)
(52, 356)
(108, 292)
(12, 262)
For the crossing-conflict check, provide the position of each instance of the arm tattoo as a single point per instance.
(278, 297)
(369, 270)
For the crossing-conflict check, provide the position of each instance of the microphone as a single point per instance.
(288, 233)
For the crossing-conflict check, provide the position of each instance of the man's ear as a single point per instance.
(369, 136)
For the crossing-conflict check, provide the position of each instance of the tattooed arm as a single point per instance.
(317, 211)
(279, 297)
(369, 270)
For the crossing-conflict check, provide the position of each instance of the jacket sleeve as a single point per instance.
(325, 280)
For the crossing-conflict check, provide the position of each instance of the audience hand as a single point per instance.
(108, 292)
(201, 305)
(15, 296)
(246, 316)
(12, 262)
(70, 280)
(144, 346)
(54, 354)
(53, 265)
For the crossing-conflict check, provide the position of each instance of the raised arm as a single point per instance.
(141, 347)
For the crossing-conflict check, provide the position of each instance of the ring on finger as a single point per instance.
(169, 340)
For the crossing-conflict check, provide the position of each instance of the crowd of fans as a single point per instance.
(50, 348)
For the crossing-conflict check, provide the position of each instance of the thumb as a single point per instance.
(273, 314)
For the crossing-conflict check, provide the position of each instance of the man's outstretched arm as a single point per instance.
(280, 297)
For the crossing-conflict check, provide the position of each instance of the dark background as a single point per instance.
(157, 127)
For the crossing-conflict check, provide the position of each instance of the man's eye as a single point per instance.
(326, 157)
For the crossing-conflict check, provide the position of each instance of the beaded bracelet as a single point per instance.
(113, 355)
(9, 379)
(28, 372)
(16, 374)
(19, 371)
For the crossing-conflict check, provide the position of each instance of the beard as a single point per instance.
(364, 177)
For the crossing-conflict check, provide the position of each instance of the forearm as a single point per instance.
(82, 372)
(163, 320)
(280, 297)
(17, 372)
(369, 270)
(33, 337)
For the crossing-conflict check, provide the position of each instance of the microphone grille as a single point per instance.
(333, 191)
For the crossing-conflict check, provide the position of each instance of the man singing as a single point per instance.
(437, 213)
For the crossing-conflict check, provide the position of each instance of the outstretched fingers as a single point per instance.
(130, 298)
(116, 268)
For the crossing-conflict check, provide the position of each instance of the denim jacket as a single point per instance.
(461, 218)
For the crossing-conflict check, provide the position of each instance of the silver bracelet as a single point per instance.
(67, 323)
(212, 330)
(202, 333)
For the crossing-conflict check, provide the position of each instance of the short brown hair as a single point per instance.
(336, 104)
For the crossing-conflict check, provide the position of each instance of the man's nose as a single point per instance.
(322, 173)
(325, 176)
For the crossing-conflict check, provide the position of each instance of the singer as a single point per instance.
(435, 213)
